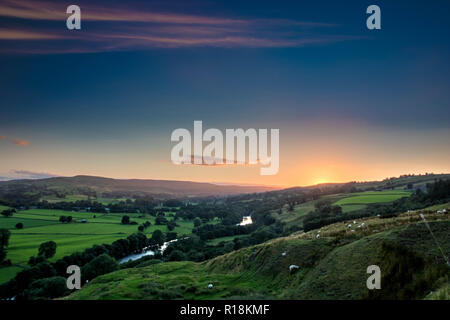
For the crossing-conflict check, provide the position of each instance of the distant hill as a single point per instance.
(129, 186)
(415, 181)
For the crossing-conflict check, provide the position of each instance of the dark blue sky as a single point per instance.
(132, 90)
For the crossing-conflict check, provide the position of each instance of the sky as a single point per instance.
(351, 104)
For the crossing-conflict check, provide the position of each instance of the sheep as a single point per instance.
(350, 225)
(317, 236)
(283, 254)
(210, 286)
(293, 268)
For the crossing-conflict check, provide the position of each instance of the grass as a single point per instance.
(348, 202)
(67, 198)
(41, 225)
(7, 273)
(216, 241)
(3, 208)
(331, 267)
(327, 269)
(362, 198)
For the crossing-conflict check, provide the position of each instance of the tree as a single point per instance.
(157, 237)
(8, 212)
(160, 220)
(125, 220)
(100, 265)
(176, 255)
(141, 228)
(197, 222)
(47, 249)
(4, 237)
(47, 288)
(4, 240)
(69, 219)
(19, 225)
(171, 236)
(62, 219)
(171, 225)
(35, 260)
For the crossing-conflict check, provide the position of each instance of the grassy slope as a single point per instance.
(327, 270)
(348, 202)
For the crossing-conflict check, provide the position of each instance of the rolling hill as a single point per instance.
(332, 266)
(172, 188)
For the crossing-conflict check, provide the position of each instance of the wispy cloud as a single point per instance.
(25, 174)
(215, 162)
(19, 142)
(12, 34)
(140, 28)
(3, 137)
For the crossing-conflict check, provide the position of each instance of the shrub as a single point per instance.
(100, 265)
(47, 288)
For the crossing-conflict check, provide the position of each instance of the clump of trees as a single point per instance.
(144, 226)
(4, 241)
(324, 213)
(64, 219)
(46, 251)
(8, 212)
(98, 266)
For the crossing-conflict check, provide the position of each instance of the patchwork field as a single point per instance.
(362, 198)
(348, 202)
(42, 225)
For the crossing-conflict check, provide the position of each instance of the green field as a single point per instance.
(3, 208)
(41, 225)
(362, 198)
(7, 273)
(77, 197)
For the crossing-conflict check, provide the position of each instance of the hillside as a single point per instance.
(72, 185)
(332, 266)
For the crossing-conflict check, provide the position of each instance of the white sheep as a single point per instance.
(317, 236)
(210, 286)
(293, 267)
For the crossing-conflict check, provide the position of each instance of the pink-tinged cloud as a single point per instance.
(214, 162)
(11, 34)
(22, 143)
(45, 10)
(3, 137)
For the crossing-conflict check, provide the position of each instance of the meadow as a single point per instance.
(41, 225)
(348, 202)
(363, 198)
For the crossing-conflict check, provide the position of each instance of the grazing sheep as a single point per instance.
(350, 225)
(293, 268)
(210, 286)
(283, 254)
(317, 236)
